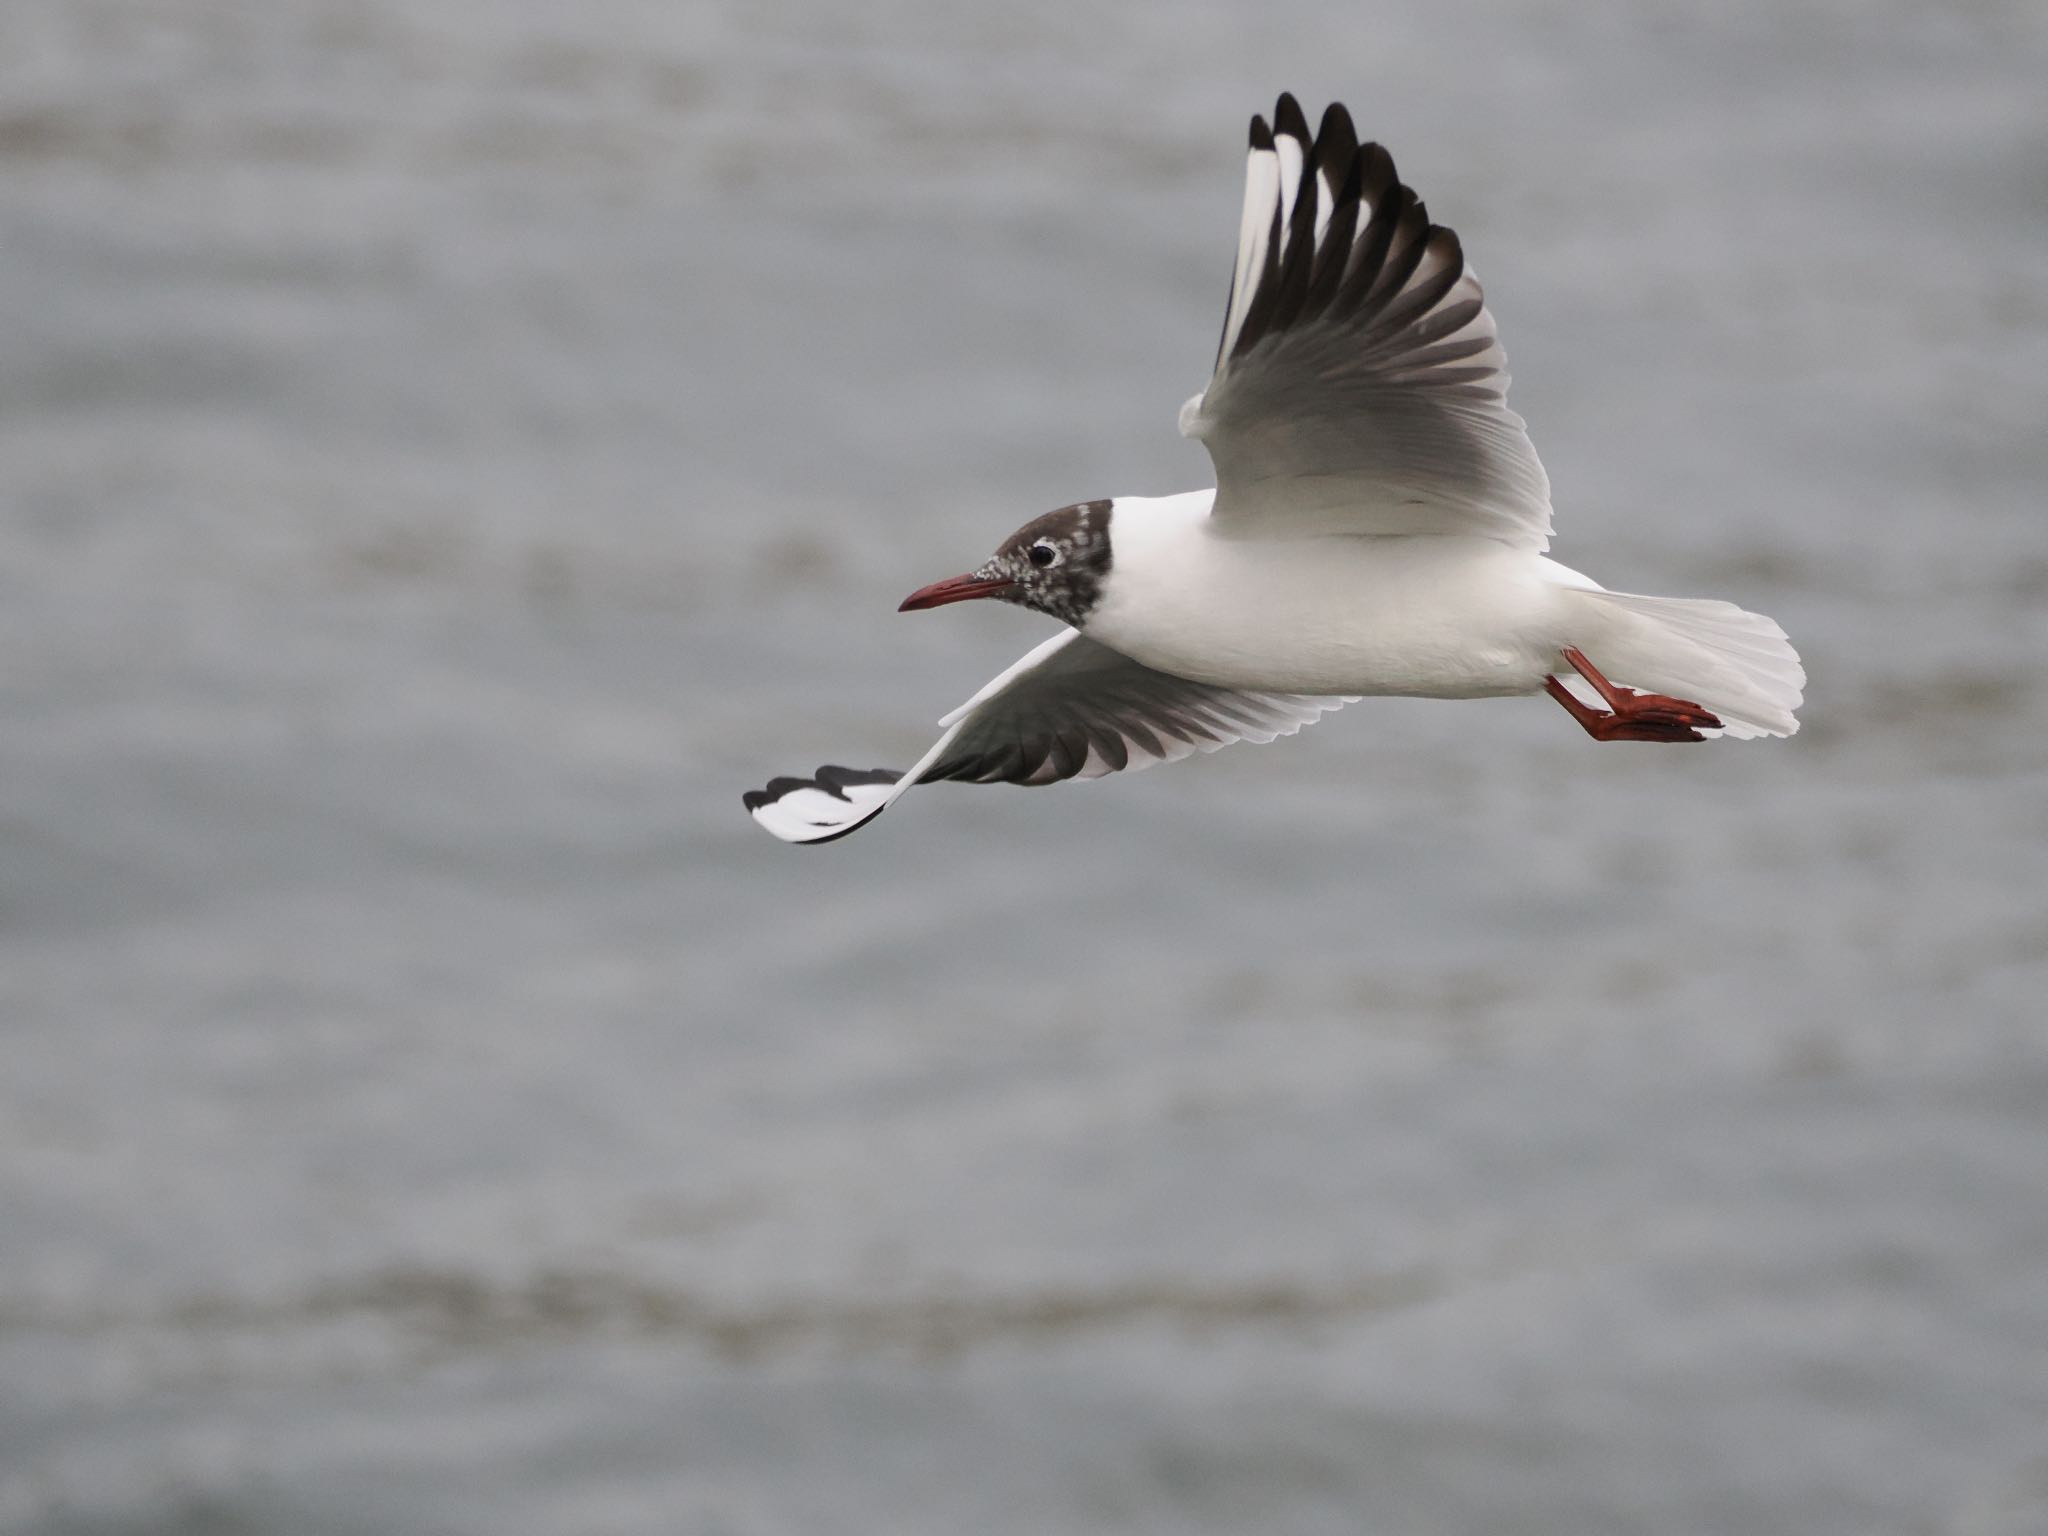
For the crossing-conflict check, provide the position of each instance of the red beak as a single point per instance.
(954, 589)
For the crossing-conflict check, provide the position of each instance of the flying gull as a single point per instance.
(1378, 526)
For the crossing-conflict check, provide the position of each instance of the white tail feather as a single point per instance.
(1736, 663)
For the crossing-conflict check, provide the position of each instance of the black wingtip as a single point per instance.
(754, 799)
(1337, 129)
(1288, 118)
(836, 780)
(831, 778)
(1262, 136)
(1376, 172)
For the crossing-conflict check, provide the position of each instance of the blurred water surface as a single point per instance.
(448, 452)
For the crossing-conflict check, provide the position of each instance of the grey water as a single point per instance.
(448, 452)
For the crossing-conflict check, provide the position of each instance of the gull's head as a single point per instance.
(1055, 564)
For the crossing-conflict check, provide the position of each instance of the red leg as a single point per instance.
(1632, 716)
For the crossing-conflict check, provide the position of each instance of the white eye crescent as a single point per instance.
(1045, 553)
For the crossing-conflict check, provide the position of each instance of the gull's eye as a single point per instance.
(1045, 553)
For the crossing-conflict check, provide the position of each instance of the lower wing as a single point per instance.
(1070, 709)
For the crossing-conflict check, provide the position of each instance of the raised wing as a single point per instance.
(1359, 386)
(1071, 709)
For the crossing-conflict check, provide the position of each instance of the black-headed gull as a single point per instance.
(1377, 527)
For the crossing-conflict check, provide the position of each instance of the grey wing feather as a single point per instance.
(1360, 386)
(1074, 709)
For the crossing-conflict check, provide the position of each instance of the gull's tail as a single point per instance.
(1736, 663)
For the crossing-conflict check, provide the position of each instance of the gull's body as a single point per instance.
(1378, 527)
(1429, 617)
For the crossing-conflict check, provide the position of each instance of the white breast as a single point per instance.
(1422, 615)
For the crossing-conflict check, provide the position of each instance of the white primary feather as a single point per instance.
(1261, 186)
